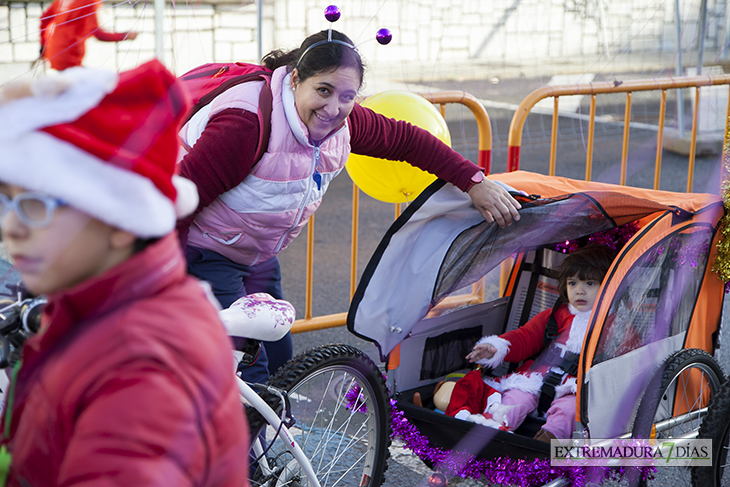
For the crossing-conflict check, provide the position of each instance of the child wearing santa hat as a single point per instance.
(546, 380)
(130, 378)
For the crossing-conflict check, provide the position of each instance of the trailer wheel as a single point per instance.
(716, 427)
(688, 380)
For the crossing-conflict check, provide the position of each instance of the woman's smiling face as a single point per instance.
(323, 101)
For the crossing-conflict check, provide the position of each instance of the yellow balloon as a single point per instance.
(397, 181)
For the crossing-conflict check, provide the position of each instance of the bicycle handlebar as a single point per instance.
(19, 320)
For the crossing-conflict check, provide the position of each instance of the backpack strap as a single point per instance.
(266, 100)
(264, 111)
(229, 83)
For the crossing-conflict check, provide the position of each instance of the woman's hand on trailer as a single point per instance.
(494, 203)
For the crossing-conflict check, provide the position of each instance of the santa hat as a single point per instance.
(104, 143)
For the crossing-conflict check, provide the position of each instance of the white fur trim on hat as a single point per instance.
(502, 347)
(124, 199)
(187, 198)
(53, 100)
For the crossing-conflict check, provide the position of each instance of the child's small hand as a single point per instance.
(481, 351)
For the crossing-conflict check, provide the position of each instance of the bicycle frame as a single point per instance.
(250, 396)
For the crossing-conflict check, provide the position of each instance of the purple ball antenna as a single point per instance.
(332, 13)
(384, 36)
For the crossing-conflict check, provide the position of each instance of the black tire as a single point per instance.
(716, 427)
(344, 433)
(660, 398)
(658, 403)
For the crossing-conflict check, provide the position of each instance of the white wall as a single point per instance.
(499, 33)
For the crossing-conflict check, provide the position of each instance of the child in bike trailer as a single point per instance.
(550, 345)
(130, 379)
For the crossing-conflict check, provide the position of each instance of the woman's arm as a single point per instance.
(106, 36)
(378, 136)
(221, 158)
(90, 15)
(375, 135)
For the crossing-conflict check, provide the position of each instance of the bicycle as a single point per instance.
(323, 419)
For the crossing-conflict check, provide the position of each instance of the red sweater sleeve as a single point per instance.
(378, 136)
(221, 158)
(95, 30)
(527, 340)
(105, 36)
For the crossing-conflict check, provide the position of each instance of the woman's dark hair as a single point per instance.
(588, 263)
(324, 58)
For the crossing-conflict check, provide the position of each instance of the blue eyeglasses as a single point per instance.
(34, 209)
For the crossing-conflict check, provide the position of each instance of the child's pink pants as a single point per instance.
(559, 419)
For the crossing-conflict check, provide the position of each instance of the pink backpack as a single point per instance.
(206, 82)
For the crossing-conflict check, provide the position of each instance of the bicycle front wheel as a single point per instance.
(339, 402)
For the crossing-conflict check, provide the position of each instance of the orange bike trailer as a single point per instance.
(656, 318)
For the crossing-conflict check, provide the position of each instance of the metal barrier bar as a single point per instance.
(692, 146)
(310, 268)
(312, 323)
(660, 140)
(353, 249)
(554, 137)
(625, 146)
(607, 87)
(591, 135)
(484, 158)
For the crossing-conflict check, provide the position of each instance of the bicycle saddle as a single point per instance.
(258, 316)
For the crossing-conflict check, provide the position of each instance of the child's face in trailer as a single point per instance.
(323, 101)
(65, 249)
(582, 294)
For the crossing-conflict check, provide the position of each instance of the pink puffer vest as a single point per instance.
(258, 218)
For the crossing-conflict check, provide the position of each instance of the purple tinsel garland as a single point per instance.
(684, 252)
(506, 471)
(355, 398)
(614, 238)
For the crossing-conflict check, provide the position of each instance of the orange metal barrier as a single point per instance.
(485, 128)
(594, 89)
(310, 323)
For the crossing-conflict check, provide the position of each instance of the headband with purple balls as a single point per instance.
(332, 14)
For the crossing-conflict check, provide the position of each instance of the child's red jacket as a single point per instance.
(130, 382)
